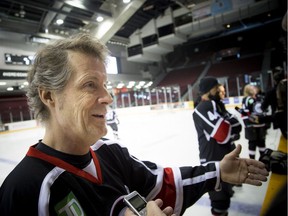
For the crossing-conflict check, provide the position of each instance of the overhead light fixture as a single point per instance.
(148, 84)
(75, 3)
(99, 19)
(191, 5)
(131, 84)
(59, 21)
(140, 84)
(3, 83)
(10, 89)
(120, 85)
(39, 39)
(126, 1)
(22, 12)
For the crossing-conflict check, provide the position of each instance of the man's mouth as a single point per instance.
(99, 116)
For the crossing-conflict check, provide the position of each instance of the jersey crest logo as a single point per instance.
(212, 116)
(257, 108)
(69, 206)
(250, 101)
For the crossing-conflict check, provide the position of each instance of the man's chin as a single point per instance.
(102, 132)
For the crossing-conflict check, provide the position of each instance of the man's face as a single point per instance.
(214, 94)
(81, 107)
(221, 92)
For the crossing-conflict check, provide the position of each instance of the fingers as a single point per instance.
(159, 202)
(256, 170)
(168, 211)
(253, 182)
(239, 148)
(153, 208)
(255, 179)
(257, 167)
(128, 212)
(236, 152)
(255, 163)
(256, 173)
(258, 177)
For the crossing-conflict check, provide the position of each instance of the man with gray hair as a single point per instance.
(73, 170)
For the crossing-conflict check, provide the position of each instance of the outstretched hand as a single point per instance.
(237, 170)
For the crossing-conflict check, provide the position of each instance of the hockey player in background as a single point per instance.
(217, 130)
(255, 133)
(113, 121)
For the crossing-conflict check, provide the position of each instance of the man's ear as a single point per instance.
(46, 96)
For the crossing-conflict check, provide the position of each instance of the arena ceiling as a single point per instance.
(39, 17)
(36, 20)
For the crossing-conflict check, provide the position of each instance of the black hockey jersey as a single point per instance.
(252, 107)
(216, 132)
(47, 182)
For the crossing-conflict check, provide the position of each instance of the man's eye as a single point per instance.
(90, 85)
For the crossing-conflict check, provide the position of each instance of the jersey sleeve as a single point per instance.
(177, 187)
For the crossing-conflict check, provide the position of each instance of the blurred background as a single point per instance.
(160, 49)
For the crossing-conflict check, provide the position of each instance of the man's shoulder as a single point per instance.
(203, 108)
(25, 175)
(207, 104)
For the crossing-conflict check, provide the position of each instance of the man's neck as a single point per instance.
(205, 97)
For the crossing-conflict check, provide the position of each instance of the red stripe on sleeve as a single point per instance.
(222, 132)
(168, 191)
